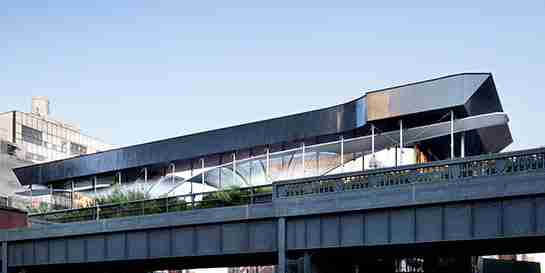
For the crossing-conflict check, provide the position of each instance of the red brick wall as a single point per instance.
(12, 218)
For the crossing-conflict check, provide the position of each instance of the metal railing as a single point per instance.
(457, 170)
(447, 171)
(214, 199)
(4, 202)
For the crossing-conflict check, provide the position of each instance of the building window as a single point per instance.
(35, 157)
(77, 149)
(32, 135)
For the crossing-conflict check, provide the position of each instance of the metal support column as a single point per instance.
(282, 262)
(234, 168)
(400, 142)
(268, 165)
(72, 194)
(303, 158)
(373, 160)
(30, 190)
(451, 134)
(5, 257)
(463, 145)
(95, 184)
(51, 198)
(307, 264)
(317, 162)
(173, 170)
(146, 175)
(342, 154)
(191, 176)
(202, 174)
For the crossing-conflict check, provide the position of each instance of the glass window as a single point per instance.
(77, 149)
(32, 135)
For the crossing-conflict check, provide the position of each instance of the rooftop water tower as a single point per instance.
(40, 106)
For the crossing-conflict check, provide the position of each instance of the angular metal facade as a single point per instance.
(467, 94)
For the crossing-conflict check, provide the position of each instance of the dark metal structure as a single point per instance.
(451, 205)
(418, 104)
(473, 206)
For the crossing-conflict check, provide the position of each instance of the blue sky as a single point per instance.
(136, 71)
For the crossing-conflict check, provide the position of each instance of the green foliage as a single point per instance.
(230, 197)
(42, 208)
(117, 196)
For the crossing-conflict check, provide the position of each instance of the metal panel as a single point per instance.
(540, 215)
(19, 253)
(376, 228)
(300, 233)
(76, 250)
(159, 242)
(57, 251)
(95, 248)
(42, 251)
(209, 239)
(516, 219)
(262, 234)
(115, 246)
(184, 241)
(137, 245)
(28, 253)
(408, 99)
(457, 222)
(351, 230)
(313, 232)
(12, 258)
(291, 234)
(235, 237)
(429, 224)
(402, 225)
(486, 217)
(330, 231)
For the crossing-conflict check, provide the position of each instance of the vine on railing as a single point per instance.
(443, 171)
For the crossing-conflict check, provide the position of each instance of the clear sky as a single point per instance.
(134, 71)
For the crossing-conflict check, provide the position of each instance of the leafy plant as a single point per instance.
(42, 208)
(118, 196)
(230, 197)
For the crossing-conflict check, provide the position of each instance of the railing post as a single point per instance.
(143, 203)
(97, 211)
(274, 191)
(400, 142)
(451, 134)
(166, 204)
(463, 145)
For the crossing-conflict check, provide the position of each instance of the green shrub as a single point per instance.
(118, 196)
(230, 197)
(42, 208)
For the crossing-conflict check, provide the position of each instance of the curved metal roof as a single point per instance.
(475, 93)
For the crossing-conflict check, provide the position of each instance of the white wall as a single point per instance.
(6, 126)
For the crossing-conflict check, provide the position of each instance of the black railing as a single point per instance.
(4, 202)
(225, 198)
(440, 171)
